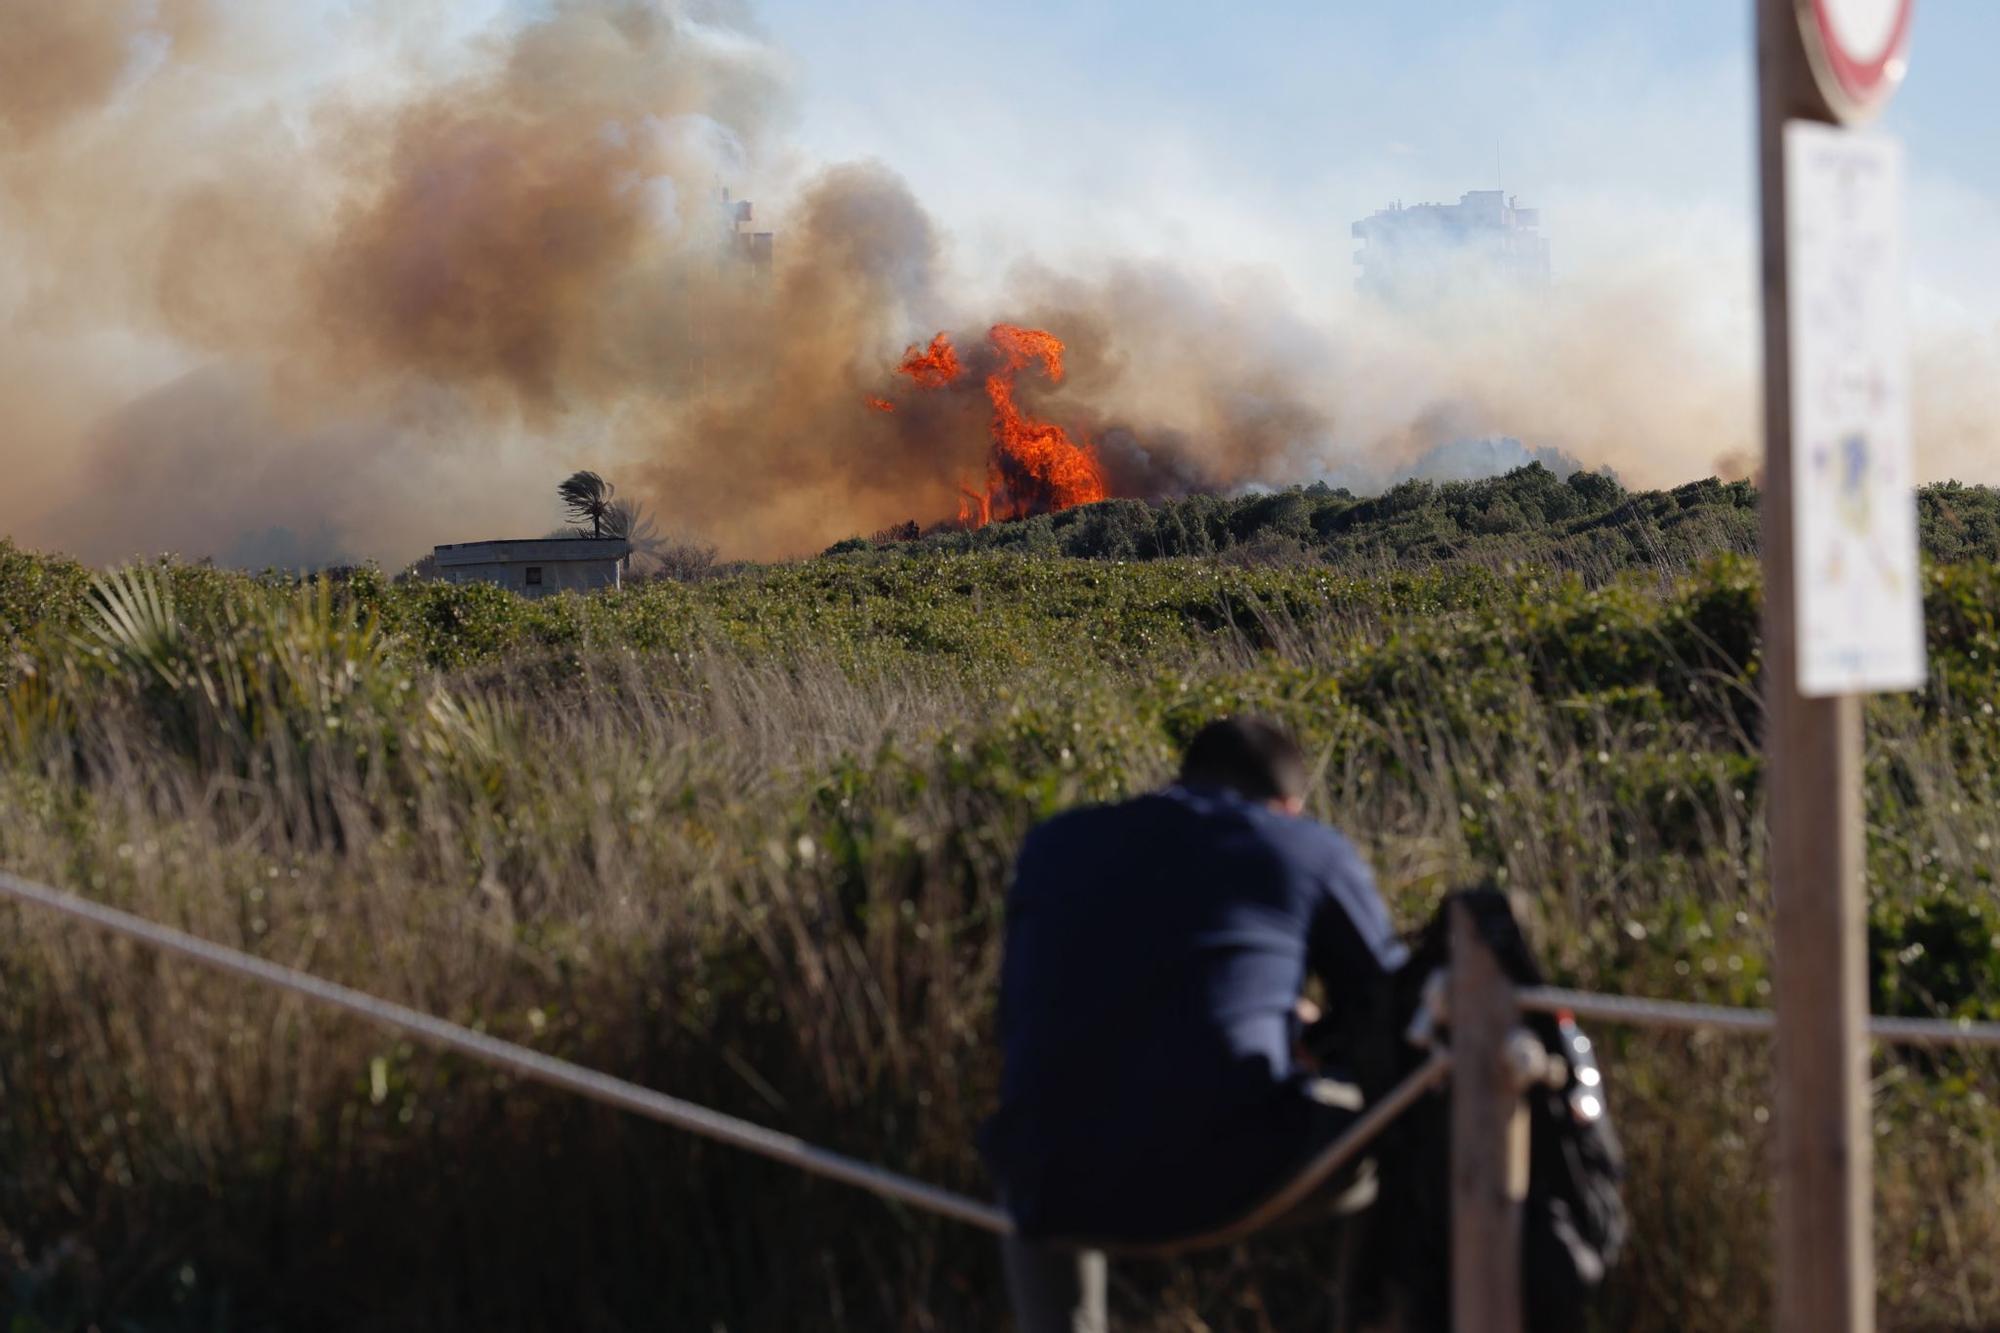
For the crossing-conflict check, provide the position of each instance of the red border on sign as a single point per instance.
(1861, 80)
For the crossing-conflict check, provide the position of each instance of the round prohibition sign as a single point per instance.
(1858, 49)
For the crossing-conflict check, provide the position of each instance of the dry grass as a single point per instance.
(770, 882)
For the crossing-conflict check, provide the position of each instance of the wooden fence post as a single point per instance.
(1489, 1139)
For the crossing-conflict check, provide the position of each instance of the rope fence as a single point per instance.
(792, 1151)
(519, 1060)
(556, 1073)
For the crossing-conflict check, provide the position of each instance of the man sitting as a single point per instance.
(1156, 954)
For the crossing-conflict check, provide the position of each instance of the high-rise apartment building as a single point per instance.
(1421, 252)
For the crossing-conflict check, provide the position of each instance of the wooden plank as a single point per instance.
(1813, 753)
(1488, 1140)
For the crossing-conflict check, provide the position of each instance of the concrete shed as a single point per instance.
(537, 567)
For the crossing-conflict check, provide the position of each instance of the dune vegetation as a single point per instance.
(745, 840)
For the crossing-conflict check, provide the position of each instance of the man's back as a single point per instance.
(1155, 952)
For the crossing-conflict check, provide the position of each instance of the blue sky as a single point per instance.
(1258, 66)
(1174, 124)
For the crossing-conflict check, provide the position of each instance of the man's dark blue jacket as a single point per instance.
(1156, 950)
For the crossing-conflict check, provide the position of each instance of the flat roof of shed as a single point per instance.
(545, 549)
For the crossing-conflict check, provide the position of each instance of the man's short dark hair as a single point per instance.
(1251, 756)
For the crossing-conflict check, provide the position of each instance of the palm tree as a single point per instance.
(629, 521)
(653, 551)
(587, 496)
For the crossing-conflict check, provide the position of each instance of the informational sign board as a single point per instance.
(1860, 597)
(1857, 49)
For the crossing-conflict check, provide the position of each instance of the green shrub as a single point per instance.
(746, 840)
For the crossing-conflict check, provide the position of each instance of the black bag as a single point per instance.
(1574, 1221)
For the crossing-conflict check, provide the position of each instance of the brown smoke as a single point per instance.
(353, 326)
(278, 295)
(62, 62)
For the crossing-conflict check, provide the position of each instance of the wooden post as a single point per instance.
(1825, 1253)
(1489, 1140)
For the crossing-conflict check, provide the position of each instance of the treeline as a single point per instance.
(1587, 522)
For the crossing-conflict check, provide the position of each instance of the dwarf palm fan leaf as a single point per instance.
(135, 624)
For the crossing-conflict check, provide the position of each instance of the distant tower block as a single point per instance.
(1423, 252)
(750, 246)
(732, 285)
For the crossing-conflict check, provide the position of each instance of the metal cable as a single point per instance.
(520, 1060)
(794, 1151)
(1679, 1014)
(1642, 1012)
(1934, 1032)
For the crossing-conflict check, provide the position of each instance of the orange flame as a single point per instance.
(1035, 467)
(1042, 469)
(879, 404)
(975, 508)
(933, 367)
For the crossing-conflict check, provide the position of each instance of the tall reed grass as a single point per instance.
(748, 843)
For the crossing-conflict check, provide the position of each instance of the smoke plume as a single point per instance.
(392, 315)
(347, 286)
